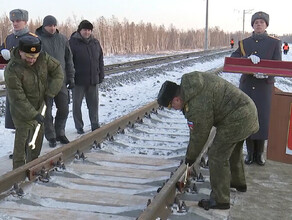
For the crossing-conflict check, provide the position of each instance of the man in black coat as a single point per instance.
(89, 72)
(259, 86)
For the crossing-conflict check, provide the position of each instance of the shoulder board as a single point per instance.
(272, 36)
(32, 34)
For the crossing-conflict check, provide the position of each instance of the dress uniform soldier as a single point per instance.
(19, 18)
(30, 76)
(258, 86)
(207, 100)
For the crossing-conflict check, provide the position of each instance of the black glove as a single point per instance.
(71, 83)
(190, 162)
(39, 118)
(100, 81)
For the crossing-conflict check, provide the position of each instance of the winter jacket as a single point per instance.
(260, 90)
(211, 101)
(28, 85)
(87, 59)
(12, 40)
(58, 47)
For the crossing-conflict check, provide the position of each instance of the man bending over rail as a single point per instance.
(207, 100)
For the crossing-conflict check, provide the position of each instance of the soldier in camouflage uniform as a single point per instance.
(258, 86)
(206, 101)
(30, 76)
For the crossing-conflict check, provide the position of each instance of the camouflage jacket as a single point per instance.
(28, 85)
(212, 101)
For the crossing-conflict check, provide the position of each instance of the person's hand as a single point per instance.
(190, 162)
(71, 83)
(5, 54)
(39, 118)
(254, 59)
(260, 76)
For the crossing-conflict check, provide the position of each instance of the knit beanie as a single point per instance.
(49, 20)
(260, 15)
(84, 25)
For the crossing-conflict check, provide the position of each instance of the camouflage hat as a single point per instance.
(30, 44)
(18, 14)
(167, 92)
(260, 15)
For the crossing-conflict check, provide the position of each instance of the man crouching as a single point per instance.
(207, 100)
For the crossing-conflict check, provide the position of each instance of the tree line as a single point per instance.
(124, 37)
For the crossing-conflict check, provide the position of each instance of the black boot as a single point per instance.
(250, 150)
(260, 152)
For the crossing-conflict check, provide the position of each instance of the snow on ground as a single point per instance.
(128, 96)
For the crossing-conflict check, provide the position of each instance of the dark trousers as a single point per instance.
(92, 101)
(56, 128)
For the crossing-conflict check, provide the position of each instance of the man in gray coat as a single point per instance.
(57, 45)
(258, 86)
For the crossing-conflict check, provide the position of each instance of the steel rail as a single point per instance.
(160, 207)
(132, 65)
(126, 66)
(84, 143)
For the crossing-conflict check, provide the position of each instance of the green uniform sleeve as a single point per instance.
(17, 96)
(198, 136)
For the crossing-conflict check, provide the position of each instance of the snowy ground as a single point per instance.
(126, 95)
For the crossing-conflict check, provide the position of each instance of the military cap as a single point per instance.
(30, 44)
(18, 14)
(167, 92)
(260, 15)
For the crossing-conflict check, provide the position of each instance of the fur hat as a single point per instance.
(167, 92)
(30, 44)
(18, 14)
(84, 25)
(49, 20)
(260, 15)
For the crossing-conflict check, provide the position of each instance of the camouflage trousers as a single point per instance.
(22, 153)
(226, 168)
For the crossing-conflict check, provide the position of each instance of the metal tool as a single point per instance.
(36, 132)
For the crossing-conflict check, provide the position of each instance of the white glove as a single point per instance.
(255, 59)
(5, 54)
(260, 76)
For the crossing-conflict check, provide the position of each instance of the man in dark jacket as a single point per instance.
(89, 72)
(206, 101)
(258, 86)
(30, 76)
(57, 45)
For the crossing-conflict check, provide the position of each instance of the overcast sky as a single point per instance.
(183, 14)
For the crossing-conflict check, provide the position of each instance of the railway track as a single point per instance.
(140, 156)
(127, 169)
(132, 65)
